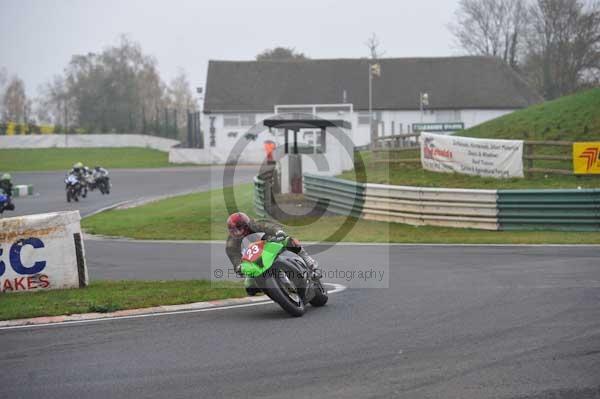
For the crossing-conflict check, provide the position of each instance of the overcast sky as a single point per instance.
(38, 37)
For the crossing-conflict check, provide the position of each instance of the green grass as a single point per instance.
(414, 175)
(199, 216)
(110, 296)
(570, 118)
(43, 159)
(202, 217)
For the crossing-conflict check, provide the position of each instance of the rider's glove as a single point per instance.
(238, 270)
(279, 236)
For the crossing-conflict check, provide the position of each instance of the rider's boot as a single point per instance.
(251, 286)
(310, 262)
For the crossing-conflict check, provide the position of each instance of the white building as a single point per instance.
(466, 90)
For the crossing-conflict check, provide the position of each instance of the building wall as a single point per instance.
(389, 122)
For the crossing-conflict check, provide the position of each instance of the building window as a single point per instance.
(234, 120)
(247, 119)
(231, 120)
(363, 118)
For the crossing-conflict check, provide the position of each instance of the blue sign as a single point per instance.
(15, 257)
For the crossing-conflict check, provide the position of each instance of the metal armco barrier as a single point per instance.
(417, 206)
(567, 210)
(572, 210)
(341, 196)
(259, 196)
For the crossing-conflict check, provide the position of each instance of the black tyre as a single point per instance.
(321, 296)
(84, 193)
(68, 195)
(284, 292)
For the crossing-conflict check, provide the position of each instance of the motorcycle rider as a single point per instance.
(240, 225)
(78, 170)
(6, 188)
(99, 180)
(99, 171)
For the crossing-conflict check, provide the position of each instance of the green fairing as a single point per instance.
(270, 252)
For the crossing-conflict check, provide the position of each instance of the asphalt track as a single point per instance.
(128, 184)
(446, 322)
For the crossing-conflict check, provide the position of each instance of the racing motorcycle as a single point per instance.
(5, 203)
(101, 181)
(281, 274)
(73, 187)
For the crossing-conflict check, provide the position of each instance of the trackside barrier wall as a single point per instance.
(87, 140)
(573, 210)
(411, 205)
(22, 190)
(42, 252)
(259, 196)
(568, 210)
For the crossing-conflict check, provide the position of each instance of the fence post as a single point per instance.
(528, 152)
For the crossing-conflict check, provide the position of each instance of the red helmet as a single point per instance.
(238, 225)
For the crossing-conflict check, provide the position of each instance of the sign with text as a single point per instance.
(438, 127)
(586, 158)
(40, 252)
(480, 157)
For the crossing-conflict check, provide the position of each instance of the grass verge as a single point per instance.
(43, 159)
(404, 174)
(110, 296)
(202, 217)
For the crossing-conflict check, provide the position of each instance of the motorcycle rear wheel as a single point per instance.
(321, 297)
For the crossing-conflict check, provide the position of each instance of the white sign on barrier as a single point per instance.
(40, 252)
(481, 157)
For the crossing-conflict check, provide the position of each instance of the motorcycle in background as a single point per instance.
(5, 203)
(73, 187)
(101, 181)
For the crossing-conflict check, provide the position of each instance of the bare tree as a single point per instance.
(53, 104)
(280, 54)
(491, 27)
(181, 98)
(16, 106)
(373, 44)
(3, 79)
(563, 45)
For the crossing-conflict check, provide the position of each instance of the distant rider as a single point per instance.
(240, 225)
(99, 172)
(78, 170)
(6, 188)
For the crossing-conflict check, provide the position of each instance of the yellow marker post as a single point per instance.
(586, 158)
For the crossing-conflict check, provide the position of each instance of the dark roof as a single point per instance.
(294, 124)
(452, 83)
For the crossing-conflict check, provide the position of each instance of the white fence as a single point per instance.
(42, 252)
(86, 140)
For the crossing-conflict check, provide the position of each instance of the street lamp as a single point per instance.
(374, 70)
(424, 102)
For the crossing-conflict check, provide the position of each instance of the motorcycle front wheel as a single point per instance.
(283, 291)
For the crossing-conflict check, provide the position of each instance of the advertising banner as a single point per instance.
(586, 158)
(480, 157)
(41, 252)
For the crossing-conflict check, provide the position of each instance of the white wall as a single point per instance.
(86, 140)
(254, 153)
